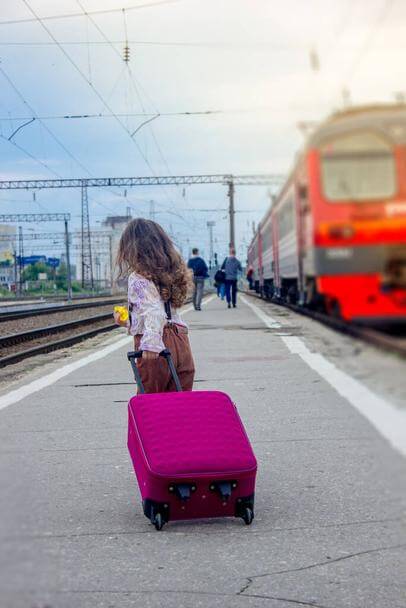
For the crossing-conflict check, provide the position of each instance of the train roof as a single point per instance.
(388, 119)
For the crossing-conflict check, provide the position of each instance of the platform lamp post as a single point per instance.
(68, 269)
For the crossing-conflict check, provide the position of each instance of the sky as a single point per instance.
(248, 62)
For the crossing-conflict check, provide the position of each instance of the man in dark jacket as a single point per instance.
(232, 267)
(200, 273)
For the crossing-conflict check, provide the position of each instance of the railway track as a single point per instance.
(101, 323)
(45, 310)
(8, 343)
(379, 338)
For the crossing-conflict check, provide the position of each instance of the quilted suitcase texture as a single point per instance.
(191, 454)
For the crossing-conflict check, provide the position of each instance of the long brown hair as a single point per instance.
(145, 248)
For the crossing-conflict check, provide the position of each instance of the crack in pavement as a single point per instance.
(285, 599)
(128, 592)
(250, 579)
(199, 532)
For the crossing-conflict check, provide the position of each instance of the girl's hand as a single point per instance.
(149, 355)
(118, 320)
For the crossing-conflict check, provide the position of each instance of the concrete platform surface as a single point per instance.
(329, 530)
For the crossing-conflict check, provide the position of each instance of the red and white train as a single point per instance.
(335, 237)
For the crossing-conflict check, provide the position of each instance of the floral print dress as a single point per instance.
(148, 317)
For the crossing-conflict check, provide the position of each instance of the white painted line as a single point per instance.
(51, 378)
(40, 383)
(383, 415)
(269, 321)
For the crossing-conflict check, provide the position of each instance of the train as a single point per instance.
(334, 238)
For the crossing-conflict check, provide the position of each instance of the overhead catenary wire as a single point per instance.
(90, 84)
(35, 115)
(382, 16)
(265, 46)
(30, 155)
(209, 112)
(97, 12)
(134, 83)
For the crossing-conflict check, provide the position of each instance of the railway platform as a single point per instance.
(329, 528)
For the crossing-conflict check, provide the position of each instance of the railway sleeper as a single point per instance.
(41, 332)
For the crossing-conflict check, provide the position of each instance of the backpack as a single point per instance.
(220, 276)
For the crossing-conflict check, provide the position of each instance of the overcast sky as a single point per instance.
(248, 60)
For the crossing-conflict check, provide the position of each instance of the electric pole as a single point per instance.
(68, 269)
(231, 212)
(21, 259)
(87, 266)
(111, 261)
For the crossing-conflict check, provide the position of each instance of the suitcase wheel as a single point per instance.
(158, 521)
(248, 516)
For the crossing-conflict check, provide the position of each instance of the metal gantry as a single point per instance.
(33, 217)
(165, 180)
(226, 179)
(87, 266)
(51, 236)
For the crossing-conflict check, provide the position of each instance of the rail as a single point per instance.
(373, 336)
(33, 334)
(21, 338)
(55, 345)
(43, 310)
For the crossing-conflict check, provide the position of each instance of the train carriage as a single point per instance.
(339, 224)
(267, 258)
(254, 259)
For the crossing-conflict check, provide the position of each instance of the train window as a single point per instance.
(358, 167)
(267, 239)
(286, 217)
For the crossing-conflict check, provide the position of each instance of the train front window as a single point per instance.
(358, 167)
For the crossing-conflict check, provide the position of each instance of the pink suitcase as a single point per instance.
(191, 454)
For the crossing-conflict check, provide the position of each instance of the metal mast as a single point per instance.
(87, 266)
(231, 212)
(210, 225)
(21, 259)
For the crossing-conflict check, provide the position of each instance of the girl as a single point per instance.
(156, 273)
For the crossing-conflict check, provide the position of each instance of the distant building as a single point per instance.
(8, 236)
(104, 243)
(115, 224)
(7, 275)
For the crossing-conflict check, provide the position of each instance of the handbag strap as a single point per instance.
(168, 310)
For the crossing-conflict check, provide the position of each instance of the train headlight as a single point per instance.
(344, 231)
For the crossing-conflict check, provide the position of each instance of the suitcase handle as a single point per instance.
(137, 354)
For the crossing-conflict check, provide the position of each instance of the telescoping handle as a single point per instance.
(137, 354)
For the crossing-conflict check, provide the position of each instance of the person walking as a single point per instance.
(231, 266)
(200, 273)
(219, 283)
(158, 284)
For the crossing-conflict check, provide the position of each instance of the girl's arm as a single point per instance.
(146, 301)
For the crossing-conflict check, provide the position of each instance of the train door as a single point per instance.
(302, 211)
(275, 247)
(260, 262)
